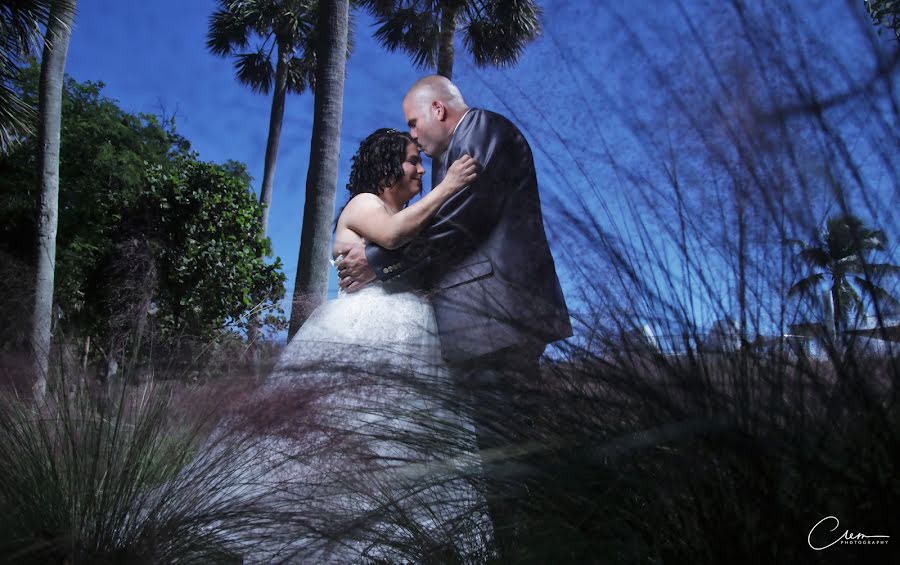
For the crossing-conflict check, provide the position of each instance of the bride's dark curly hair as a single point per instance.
(379, 161)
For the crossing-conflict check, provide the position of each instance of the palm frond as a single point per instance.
(295, 21)
(849, 264)
(301, 73)
(804, 286)
(20, 26)
(799, 243)
(266, 13)
(497, 34)
(377, 7)
(16, 115)
(227, 32)
(877, 293)
(409, 30)
(814, 256)
(882, 269)
(385, 8)
(16, 119)
(851, 302)
(20, 38)
(875, 240)
(255, 70)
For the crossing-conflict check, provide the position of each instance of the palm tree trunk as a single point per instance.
(445, 41)
(445, 56)
(311, 282)
(276, 118)
(53, 65)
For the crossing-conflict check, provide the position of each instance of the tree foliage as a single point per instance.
(885, 13)
(204, 224)
(133, 193)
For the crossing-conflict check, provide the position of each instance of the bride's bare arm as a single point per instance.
(367, 215)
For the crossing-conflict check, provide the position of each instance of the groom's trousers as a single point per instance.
(501, 391)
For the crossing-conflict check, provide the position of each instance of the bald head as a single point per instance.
(432, 107)
(437, 87)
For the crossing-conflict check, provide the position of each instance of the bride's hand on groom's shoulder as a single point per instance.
(354, 271)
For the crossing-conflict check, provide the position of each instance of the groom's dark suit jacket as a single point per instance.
(484, 256)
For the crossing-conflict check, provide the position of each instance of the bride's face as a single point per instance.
(410, 183)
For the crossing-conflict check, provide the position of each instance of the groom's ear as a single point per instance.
(440, 111)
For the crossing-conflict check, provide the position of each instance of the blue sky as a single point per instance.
(579, 94)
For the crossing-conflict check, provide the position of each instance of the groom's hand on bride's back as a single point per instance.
(353, 268)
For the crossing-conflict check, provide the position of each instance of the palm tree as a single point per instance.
(311, 282)
(285, 28)
(495, 32)
(20, 30)
(53, 65)
(839, 258)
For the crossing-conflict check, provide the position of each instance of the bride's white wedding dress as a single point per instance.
(374, 447)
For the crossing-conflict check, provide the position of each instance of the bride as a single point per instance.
(385, 459)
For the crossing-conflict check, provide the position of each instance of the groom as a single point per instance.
(485, 260)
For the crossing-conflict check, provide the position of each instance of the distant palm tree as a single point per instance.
(839, 258)
(50, 90)
(20, 38)
(285, 27)
(311, 283)
(495, 32)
